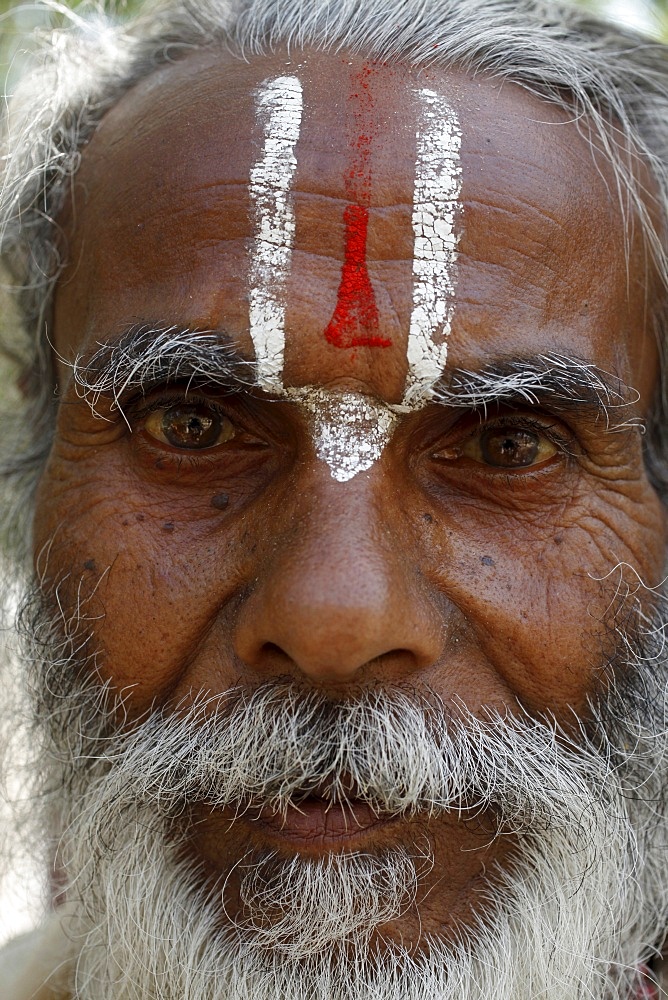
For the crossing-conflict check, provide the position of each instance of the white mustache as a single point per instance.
(278, 744)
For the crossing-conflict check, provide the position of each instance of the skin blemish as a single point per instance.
(355, 321)
(168, 526)
(220, 501)
(90, 565)
(487, 561)
(279, 113)
(438, 182)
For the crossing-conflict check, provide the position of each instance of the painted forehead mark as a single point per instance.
(349, 430)
(279, 105)
(438, 183)
(355, 321)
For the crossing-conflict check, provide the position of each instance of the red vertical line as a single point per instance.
(355, 321)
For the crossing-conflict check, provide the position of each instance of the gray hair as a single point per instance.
(613, 82)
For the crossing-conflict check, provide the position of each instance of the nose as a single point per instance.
(341, 592)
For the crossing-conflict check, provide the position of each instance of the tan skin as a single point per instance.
(435, 568)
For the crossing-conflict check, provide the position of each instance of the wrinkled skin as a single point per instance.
(445, 573)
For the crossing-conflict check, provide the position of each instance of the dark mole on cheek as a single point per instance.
(558, 539)
(168, 526)
(428, 518)
(487, 561)
(220, 501)
(90, 564)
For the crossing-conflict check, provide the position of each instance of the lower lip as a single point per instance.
(317, 823)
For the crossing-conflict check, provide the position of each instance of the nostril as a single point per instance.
(330, 619)
(271, 652)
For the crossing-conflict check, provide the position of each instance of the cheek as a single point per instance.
(534, 603)
(148, 573)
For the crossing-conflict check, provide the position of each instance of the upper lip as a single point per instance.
(319, 814)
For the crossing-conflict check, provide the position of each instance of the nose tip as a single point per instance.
(328, 613)
(332, 641)
(328, 642)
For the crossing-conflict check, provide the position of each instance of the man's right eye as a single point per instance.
(194, 426)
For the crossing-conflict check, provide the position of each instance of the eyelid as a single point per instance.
(184, 386)
(138, 414)
(549, 427)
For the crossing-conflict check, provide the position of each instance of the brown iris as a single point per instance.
(510, 447)
(193, 425)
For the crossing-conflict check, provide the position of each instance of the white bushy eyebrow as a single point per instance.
(562, 381)
(146, 357)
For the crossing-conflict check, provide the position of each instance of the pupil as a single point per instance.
(510, 449)
(190, 427)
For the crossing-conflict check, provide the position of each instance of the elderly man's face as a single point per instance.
(347, 523)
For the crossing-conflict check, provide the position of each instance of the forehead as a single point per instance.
(162, 229)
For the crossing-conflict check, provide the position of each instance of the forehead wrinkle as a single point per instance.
(531, 233)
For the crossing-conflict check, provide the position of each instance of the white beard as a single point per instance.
(145, 930)
(584, 902)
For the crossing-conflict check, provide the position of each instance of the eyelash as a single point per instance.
(560, 439)
(140, 414)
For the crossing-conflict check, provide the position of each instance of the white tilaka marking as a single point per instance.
(279, 110)
(349, 430)
(438, 183)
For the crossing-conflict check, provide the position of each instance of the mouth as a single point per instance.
(318, 822)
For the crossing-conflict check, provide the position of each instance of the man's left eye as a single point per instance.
(189, 425)
(508, 447)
